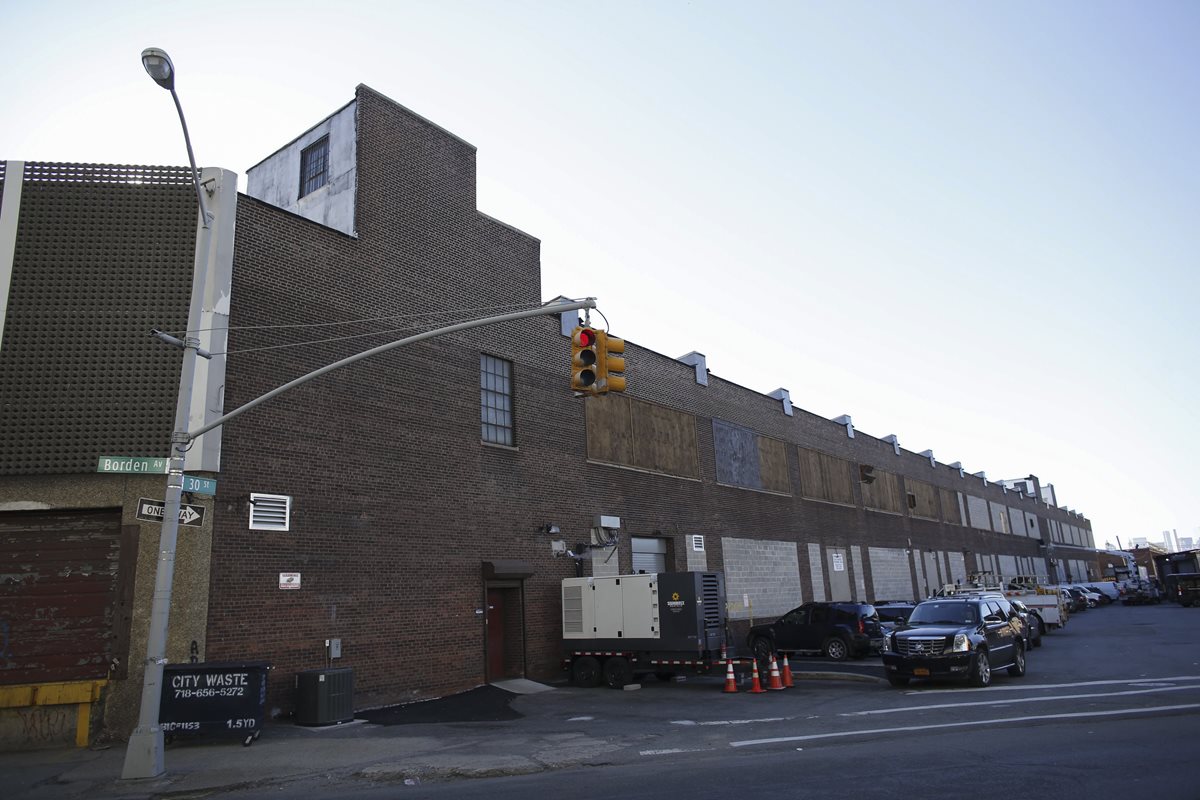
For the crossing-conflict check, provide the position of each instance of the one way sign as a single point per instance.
(152, 511)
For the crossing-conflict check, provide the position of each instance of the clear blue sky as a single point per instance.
(972, 225)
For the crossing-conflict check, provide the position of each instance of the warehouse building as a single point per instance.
(409, 517)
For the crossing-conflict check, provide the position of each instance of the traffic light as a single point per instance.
(585, 353)
(610, 376)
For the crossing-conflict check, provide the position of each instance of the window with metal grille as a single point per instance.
(495, 400)
(314, 166)
(270, 512)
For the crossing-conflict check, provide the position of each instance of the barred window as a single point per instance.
(314, 166)
(495, 400)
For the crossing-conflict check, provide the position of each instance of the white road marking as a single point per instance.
(581, 719)
(728, 721)
(974, 723)
(1011, 700)
(676, 750)
(1016, 687)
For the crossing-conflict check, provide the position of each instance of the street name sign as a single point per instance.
(199, 485)
(135, 464)
(152, 511)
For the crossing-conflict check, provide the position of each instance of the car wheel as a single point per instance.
(763, 648)
(585, 672)
(1018, 667)
(836, 648)
(981, 674)
(897, 680)
(617, 672)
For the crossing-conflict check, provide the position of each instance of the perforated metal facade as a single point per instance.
(103, 254)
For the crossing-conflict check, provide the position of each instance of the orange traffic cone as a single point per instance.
(787, 674)
(730, 678)
(773, 681)
(755, 684)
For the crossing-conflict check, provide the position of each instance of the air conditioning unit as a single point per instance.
(324, 696)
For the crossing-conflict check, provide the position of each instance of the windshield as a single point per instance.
(944, 614)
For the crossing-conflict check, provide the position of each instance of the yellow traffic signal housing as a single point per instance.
(610, 376)
(585, 355)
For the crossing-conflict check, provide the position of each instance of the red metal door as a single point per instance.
(495, 634)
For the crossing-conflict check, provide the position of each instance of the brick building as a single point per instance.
(431, 499)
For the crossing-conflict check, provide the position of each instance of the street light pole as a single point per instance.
(144, 753)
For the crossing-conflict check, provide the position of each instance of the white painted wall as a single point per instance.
(276, 180)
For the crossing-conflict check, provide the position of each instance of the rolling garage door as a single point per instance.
(649, 555)
(65, 591)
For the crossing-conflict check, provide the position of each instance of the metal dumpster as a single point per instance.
(225, 698)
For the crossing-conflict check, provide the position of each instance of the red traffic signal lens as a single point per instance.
(587, 337)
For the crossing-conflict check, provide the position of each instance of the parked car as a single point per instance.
(837, 630)
(1034, 627)
(1093, 597)
(1075, 601)
(955, 637)
(1101, 595)
(1107, 588)
(892, 616)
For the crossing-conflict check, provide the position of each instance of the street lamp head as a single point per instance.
(159, 67)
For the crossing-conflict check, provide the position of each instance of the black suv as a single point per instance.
(839, 630)
(956, 637)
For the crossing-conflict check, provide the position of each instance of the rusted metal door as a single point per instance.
(63, 606)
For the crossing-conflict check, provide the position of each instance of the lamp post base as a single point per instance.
(144, 755)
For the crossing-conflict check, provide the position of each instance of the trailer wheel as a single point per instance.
(617, 672)
(586, 672)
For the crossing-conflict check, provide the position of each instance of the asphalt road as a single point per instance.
(1110, 707)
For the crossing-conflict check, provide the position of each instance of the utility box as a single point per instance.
(324, 696)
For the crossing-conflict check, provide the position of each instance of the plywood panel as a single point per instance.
(840, 478)
(950, 510)
(773, 466)
(923, 501)
(633, 433)
(609, 429)
(884, 493)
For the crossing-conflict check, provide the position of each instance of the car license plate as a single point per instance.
(921, 671)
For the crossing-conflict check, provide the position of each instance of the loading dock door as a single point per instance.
(61, 601)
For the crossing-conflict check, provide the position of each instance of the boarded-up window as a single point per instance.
(748, 460)
(1000, 523)
(825, 477)
(922, 499)
(977, 510)
(950, 510)
(883, 493)
(632, 433)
